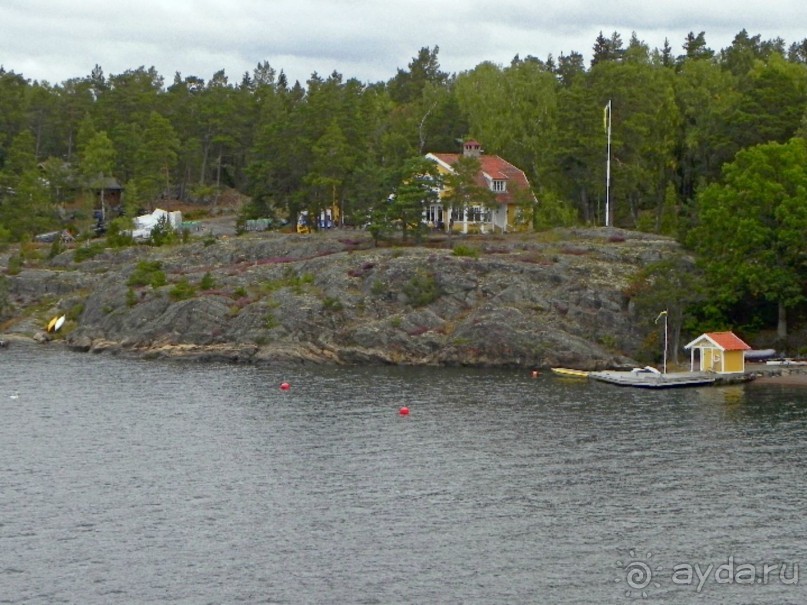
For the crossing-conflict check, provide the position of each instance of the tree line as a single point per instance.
(690, 131)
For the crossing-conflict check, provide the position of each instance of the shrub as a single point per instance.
(463, 250)
(14, 264)
(207, 282)
(30, 251)
(86, 252)
(56, 247)
(5, 304)
(117, 235)
(147, 273)
(421, 289)
(158, 279)
(182, 290)
(163, 233)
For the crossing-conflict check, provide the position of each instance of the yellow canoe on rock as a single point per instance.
(52, 323)
(570, 372)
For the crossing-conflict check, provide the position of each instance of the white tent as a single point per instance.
(145, 223)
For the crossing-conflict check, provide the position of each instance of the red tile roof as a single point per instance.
(728, 341)
(496, 168)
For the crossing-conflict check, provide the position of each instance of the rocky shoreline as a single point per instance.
(528, 300)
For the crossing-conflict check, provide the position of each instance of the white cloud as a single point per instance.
(53, 40)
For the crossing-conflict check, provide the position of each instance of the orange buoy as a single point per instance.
(404, 411)
(285, 386)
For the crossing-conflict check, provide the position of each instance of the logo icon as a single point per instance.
(638, 574)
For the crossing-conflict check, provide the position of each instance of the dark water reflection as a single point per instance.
(128, 481)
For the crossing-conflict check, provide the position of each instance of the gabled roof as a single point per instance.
(725, 341)
(491, 167)
(107, 183)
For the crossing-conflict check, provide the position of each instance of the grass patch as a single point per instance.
(378, 288)
(463, 250)
(289, 280)
(332, 304)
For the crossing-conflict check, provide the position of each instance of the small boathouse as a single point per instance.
(720, 352)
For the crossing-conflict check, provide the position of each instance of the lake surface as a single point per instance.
(128, 481)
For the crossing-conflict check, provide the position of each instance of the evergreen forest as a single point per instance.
(706, 145)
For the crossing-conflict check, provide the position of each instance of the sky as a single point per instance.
(55, 40)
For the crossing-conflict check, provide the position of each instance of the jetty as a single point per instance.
(650, 378)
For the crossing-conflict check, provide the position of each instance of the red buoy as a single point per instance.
(404, 411)
(285, 386)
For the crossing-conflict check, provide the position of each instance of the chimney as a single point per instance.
(471, 149)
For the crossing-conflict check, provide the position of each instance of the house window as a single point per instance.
(471, 214)
(498, 186)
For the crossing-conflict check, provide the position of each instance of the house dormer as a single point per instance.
(498, 185)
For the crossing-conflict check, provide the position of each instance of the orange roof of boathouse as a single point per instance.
(727, 341)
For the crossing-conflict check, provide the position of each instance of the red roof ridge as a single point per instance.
(729, 341)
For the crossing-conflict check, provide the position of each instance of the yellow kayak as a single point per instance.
(52, 323)
(570, 372)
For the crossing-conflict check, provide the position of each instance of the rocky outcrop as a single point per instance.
(521, 300)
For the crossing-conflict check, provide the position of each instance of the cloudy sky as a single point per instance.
(55, 40)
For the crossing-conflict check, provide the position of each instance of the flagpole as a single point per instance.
(664, 313)
(608, 168)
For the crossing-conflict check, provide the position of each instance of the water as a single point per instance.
(125, 481)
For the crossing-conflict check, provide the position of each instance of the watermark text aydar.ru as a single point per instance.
(732, 572)
(642, 577)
